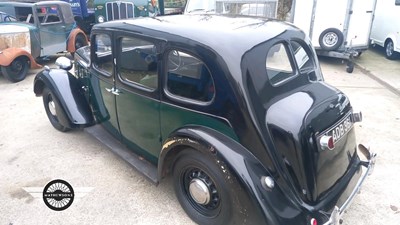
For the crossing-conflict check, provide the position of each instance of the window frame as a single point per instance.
(94, 56)
(133, 84)
(178, 98)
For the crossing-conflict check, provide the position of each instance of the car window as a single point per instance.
(189, 77)
(303, 60)
(137, 62)
(278, 64)
(48, 14)
(103, 57)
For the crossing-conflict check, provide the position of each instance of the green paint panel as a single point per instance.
(173, 118)
(139, 123)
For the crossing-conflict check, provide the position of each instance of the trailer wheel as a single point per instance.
(17, 70)
(331, 39)
(389, 50)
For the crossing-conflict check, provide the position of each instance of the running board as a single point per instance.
(137, 162)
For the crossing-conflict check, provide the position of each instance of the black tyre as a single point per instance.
(389, 50)
(205, 192)
(53, 110)
(350, 67)
(331, 39)
(17, 70)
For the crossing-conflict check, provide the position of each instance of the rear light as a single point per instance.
(313, 221)
(327, 143)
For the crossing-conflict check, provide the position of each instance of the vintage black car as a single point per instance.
(235, 109)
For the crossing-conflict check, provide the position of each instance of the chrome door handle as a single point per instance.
(113, 91)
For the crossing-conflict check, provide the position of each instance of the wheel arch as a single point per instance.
(7, 56)
(72, 37)
(240, 163)
(68, 91)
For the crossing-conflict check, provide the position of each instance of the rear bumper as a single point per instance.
(337, 212)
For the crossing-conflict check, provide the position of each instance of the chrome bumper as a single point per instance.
(337, 212)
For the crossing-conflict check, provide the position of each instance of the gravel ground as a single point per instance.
(32, 153)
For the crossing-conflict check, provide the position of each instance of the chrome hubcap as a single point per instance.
(330, 39)
(52, 108)
(199, 191)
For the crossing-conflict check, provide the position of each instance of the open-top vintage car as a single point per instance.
(235, 109)
(35, 30)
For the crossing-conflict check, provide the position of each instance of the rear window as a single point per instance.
(278, 64)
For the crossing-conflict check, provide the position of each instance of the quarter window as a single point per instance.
(278, 64)
(188, 77)
(137, 62)
(103, 54)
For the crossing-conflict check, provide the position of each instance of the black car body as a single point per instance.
(235, 108)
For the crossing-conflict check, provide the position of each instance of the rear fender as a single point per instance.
(71, 39)
(69, 92)
(8, 55)
(271, 205)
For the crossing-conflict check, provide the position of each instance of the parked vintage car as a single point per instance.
(235, 109)
(40, 29)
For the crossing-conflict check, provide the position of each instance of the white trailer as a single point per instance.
(386, 27)
(339, 28)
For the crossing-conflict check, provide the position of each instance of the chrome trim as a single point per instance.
(370, 164)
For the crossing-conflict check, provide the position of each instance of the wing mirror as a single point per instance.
(64, 63)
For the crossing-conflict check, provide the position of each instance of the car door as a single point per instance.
(52, 30)
(137, 101)
(102, 83)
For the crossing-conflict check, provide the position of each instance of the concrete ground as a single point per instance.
(32, 153)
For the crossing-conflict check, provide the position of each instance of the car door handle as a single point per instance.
(113, 91)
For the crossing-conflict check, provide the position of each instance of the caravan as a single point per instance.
(386, 27)
(338, 29)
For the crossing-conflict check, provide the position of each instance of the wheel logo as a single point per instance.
(58, 195)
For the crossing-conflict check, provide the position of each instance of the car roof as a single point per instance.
(230, 37)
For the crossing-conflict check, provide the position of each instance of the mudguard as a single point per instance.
(68, 90)
(8, 55)
(272, 206)
(71, 39)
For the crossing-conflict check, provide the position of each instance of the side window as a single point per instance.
(48, 14)
(303, 60)
(278, 64)
(397, 2)
(137, 62)
(103, 54)
(189, 77)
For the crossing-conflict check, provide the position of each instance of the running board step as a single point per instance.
(137, 162)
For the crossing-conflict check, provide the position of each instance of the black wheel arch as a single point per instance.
(67, 89)
(243, 165)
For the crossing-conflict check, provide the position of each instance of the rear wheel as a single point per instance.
(208, 192)
(53, 110)
(17, 70)
(389, 50)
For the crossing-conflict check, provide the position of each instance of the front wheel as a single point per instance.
(389, 50)
(17, 70)
(80, 41)
(53, 110)
(206, 191)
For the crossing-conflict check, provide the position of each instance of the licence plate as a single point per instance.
(341, 129)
